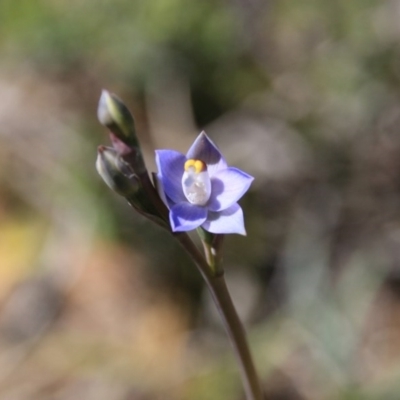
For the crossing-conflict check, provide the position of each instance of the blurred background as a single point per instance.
(98, 303)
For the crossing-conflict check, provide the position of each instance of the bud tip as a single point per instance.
(103, 113)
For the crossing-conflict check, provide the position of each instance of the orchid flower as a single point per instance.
(200, 190)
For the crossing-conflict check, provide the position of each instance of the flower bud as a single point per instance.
(113, 114)
(116, 173)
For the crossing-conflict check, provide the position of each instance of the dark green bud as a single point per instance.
(114, 114)
(119, 177)
(116, 173)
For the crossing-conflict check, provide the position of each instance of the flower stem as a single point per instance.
(234, 328)
(237, 336)
(212, 245)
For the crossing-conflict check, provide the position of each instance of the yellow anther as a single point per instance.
(198, 165)
(189, 163)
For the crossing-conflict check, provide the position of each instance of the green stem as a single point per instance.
(237, 336)
(212, 245)
(234, 328)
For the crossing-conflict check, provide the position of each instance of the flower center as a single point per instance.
(196, 182)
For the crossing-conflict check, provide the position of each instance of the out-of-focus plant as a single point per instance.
(196, 191)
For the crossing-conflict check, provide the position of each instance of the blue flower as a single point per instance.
(200, 189)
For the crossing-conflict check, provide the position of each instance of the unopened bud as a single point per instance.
(115, 172)
(114, 114)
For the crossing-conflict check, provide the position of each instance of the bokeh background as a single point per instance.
(97, 303)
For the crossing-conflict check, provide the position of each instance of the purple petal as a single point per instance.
(160, 189)
(186, 217)
(205, 150)
(227, 187)
(170, 165)
(227, 221)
